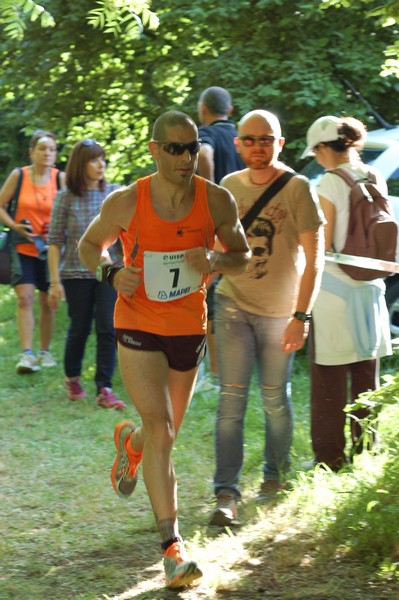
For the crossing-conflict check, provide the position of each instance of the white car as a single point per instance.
(382, 151)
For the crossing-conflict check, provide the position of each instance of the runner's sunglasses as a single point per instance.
(177, 149)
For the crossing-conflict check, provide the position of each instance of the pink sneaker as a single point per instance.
(106, 399)
(74, 389)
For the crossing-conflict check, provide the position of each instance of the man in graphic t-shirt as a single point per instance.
(261, 315)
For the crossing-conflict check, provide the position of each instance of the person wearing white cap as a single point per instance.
(325, 129)
(334, 352)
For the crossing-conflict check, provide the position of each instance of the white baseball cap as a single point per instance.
(324, 129)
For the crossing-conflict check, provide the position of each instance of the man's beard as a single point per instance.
(259, 163)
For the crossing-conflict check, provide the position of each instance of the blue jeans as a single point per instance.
(244, 340)
(88, 299)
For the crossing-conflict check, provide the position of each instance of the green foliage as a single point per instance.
(374, 402)
(386, 14)
(13, 15)
(119, 17)
(103, 74)
(355, 513)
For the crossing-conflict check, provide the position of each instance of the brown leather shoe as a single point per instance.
(269, 489)
(225, 512)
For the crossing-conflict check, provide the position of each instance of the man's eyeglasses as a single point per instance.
(264, 141)
(177, 149)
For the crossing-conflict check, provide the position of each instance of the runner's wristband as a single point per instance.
(109, 274)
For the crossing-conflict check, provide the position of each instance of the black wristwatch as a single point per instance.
(301, 316)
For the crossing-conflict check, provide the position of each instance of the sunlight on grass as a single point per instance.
(67, 536)
(139, 589)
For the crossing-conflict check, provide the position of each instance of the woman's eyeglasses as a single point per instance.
(177, 149)
(264, 141)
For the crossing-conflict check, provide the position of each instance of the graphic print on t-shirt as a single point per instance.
(260, 239)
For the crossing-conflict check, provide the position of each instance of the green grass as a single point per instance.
(64, 534)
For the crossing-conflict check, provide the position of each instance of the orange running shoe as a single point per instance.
(124, 469)
(179, 570)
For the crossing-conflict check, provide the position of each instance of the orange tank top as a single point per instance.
(35, 203)
(148, 234)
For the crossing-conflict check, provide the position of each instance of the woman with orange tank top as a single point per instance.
(36, 186)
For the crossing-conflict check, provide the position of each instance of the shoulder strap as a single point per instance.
(58, 180)
(265, 198)
(350, 180)
(12, 207)
(345, 175)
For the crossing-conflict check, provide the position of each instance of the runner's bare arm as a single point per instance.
(235, 254)
(102, 232)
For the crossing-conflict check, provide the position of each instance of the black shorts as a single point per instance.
(183, 352)
(34, 271)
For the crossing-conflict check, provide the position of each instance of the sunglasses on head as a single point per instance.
(88, 142)
(264, 141)
(177, 149)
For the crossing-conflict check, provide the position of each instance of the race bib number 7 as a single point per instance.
(168, 277)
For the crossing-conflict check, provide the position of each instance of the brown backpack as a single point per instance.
(372, 228)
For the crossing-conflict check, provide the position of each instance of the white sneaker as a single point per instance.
(46, 359)
(27, 364)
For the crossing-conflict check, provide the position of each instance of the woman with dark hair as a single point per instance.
(87, 299)
(34, 188)
(346, 342)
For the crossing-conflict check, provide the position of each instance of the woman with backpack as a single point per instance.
(350, 323)
(88, 300)
(26, 200)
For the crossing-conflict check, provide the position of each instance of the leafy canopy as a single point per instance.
(387, 15)
(14, 13)
(108, 69)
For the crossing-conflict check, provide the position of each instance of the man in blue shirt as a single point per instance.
(217, 157)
